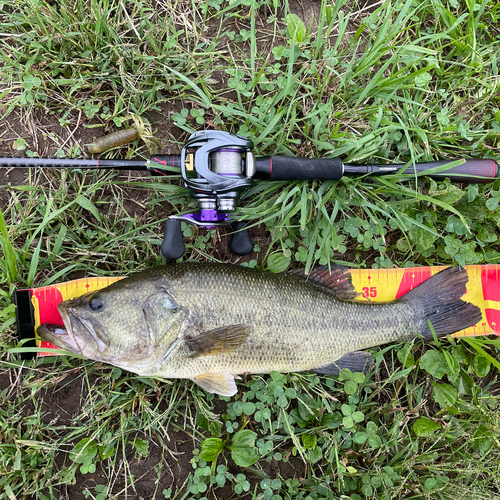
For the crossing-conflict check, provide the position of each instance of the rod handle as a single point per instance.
(472, 171)
(290, 168)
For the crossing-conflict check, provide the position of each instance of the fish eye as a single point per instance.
(170, 304)
(95, 304)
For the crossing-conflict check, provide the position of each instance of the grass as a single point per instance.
(402, 81)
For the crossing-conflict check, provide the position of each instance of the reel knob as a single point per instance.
(241, 243)
(173, 246)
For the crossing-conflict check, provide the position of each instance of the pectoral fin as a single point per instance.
(217, 383)
(218, 341)
(356, 361)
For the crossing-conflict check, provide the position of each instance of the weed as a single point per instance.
(397, 81)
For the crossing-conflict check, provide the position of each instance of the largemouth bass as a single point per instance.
(212, 322)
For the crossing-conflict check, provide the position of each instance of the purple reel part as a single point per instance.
(208, 218)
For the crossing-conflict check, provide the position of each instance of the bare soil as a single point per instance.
(61, 403)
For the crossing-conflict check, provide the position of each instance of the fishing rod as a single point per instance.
(218, 166)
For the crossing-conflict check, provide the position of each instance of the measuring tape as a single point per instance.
(39, 305)
(483, 290)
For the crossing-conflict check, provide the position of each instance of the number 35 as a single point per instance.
(370, 292)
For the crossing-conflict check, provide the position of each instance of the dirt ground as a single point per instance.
(61, 402)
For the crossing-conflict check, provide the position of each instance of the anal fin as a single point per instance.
(221, 383)
(356, 361)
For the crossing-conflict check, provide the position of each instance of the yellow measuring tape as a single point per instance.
(377, 285)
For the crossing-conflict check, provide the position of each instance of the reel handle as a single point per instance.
(173, 246)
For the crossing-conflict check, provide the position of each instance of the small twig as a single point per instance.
(72, 132)
(356, 14)
(130, 20)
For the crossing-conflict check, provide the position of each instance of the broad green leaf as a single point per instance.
(296, 28)
(86, 204)
(249, 408)
(358, 377)
(278, 52)
(425, 427)
(451, 194)
(84, 451)
(423, 238)
(243, 449)
(106, 451)
(314, 455)
(201, 421)
(348, 422)
(211, 448)
(399, 374)
(483, 439)
(430, 484)
(360, 437)
(492, 204)
(358, 416)
(464, 383)
(215, 428)
(332, 421)
(375, 441)
(346, 410)
(481, 365)
(444, 394)
(406, 356)
(282, 401)
(141, 447)
(434, 363)
(278, 262)
(350, 387)
(30, 81)
(309, 441)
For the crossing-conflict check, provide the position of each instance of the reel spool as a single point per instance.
(217, 167)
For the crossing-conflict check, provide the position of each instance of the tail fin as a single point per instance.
(438, 300)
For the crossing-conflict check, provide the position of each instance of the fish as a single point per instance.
(212, 323)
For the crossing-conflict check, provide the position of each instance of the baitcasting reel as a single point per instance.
(216, 167)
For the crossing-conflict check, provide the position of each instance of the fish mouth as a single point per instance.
(91, 333)
(59, 336)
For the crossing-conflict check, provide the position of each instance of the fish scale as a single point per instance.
(211, 322)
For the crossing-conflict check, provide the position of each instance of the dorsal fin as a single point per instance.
(336, 280)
